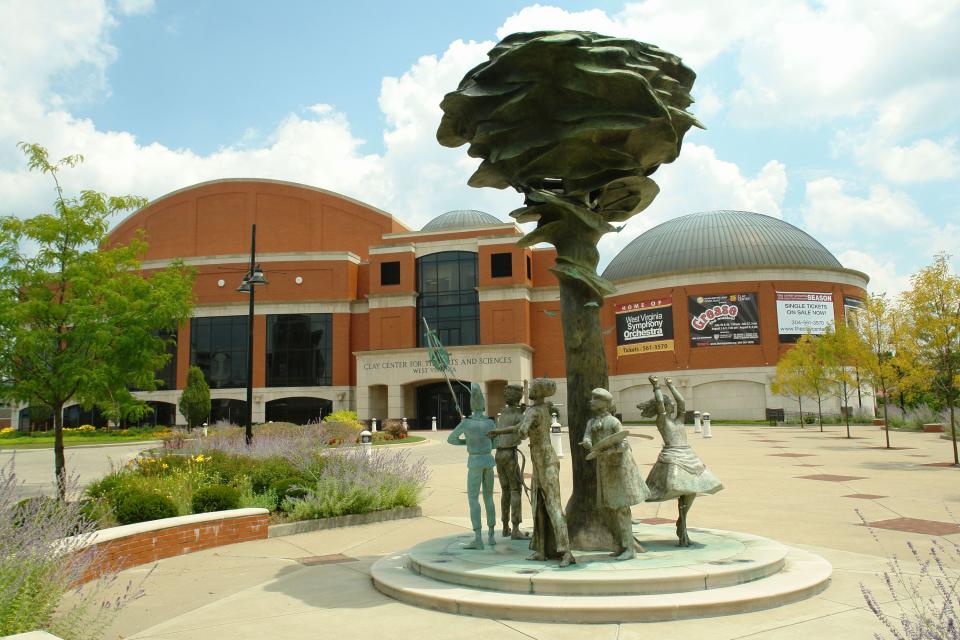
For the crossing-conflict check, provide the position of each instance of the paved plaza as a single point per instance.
(800, 487)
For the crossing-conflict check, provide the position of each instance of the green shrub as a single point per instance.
(229, 468)
(292, 488)
(98, 512)
(135, 505)
(810, 418)
(217, 497)
(105, 486)
(269, 471)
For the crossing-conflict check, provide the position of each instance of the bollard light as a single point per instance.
(696, 422)
(433, 423)
(366, 442)
(204, 429)
(707, 431)
(403, 421)
(556, 438)
(373, 425)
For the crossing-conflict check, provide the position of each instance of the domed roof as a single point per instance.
(718, 240)
(461, 219)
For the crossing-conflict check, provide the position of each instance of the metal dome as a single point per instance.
(718, 240)
(461, 219)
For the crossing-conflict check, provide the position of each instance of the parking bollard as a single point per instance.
(433, 423)
(373, 425)
(204, 429)
(556, 438)
(404, 422)
(366, 442)
(696, 422)
(707, 431)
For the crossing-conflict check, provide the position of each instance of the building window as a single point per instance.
(529, 268)
(389, 273)
(501, 265)
(219, 347)
(299, 350)
(448, 300)
(168, 374)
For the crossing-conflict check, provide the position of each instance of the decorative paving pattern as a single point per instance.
(808, 465)
(829, 477)
(864, 496)
(334, 558)
(892, 448)
(939, 464)
(916, 525)
(791, 455)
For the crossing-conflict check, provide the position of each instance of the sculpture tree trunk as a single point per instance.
(586, 365)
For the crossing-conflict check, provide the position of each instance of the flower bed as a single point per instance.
(290, 471)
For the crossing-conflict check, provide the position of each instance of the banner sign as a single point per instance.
(801, 313)
(644, 327)
(724, 320)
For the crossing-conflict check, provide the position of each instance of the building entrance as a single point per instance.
(435, 400)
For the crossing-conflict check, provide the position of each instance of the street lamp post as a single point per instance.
(251, 280)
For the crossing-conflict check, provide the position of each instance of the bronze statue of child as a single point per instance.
(475, 430)
(678, 472)
(619, 484)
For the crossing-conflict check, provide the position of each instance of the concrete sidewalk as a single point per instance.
(318, 583)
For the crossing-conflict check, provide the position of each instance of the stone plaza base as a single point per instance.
(722, 573)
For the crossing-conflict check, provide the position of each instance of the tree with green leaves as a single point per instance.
(842, 351)
(195, 399)
(932, 336)
(880, 328)
(792, 378)
(576, 122)
(79, 322)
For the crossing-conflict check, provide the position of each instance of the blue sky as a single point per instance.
(839, 117)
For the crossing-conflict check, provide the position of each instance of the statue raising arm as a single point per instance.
(681, 406)
(658, 395)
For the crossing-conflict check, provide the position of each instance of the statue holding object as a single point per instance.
(550, 538)
(678, 472)
(508, 464)
(619, 484)
(476, 431)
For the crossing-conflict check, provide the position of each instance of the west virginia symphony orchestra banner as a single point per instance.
(644, 327)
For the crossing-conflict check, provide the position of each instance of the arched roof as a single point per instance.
(461, 219)
(718, 240)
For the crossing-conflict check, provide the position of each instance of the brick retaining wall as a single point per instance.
(131, 545)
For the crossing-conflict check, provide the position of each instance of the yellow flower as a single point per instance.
(165, 466)
(199, 458)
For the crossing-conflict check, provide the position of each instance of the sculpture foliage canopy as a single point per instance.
(582, 107)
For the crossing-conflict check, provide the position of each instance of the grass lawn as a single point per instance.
(407, 440)
(44, 440)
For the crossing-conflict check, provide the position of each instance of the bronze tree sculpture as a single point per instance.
(577, 122)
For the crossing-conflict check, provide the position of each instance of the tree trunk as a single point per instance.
(846, 413)
(800, 400)
(886, 421)
(820, 413)
(59, 461)
(586, 370)
(586, 366)
(953, 435)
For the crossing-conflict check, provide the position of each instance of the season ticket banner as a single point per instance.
(724, 320)
(804, 313)
(644, 327)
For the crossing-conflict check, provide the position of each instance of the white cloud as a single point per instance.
(884, 275)
(699, 181)
(135, 7)
(830, 210)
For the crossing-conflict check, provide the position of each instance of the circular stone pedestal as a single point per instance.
(722, 573)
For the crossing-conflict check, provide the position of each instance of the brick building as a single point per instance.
(712, 299)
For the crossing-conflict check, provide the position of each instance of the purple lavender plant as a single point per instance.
(45, 552)
(927, 594)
